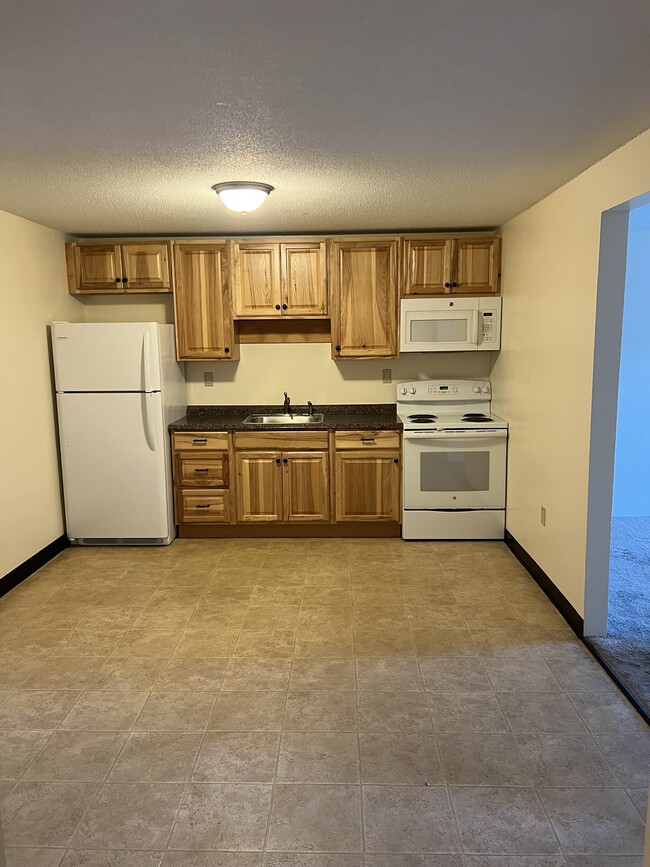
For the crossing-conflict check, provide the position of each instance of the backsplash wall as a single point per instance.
(307, 372)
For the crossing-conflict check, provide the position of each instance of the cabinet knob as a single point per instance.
(118, 279)
(453, 285)
(125, 279)
(447, 285)
(338, 348)
(226, 349)
(395, 460)
(277, 460)
(284, 306)
(285, 461)
(277, 306)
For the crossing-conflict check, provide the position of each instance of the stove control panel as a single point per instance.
(436, 390)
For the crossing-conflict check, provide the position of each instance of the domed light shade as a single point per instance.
(242, 196)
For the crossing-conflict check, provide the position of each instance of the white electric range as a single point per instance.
(454, 460)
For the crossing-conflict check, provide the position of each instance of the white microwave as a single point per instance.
(450, 324)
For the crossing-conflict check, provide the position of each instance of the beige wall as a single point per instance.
(542, 377)
(34, 294)
(307, 372)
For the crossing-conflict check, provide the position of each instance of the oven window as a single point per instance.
(455, 471)
(438, 330)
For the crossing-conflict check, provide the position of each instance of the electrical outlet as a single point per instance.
(208, 379)
(387, 375)
(542, 515)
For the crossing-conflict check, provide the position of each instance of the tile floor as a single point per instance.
(308, 704)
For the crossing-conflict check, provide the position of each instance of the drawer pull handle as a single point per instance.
(368, 440)
(202, 470)
(204, 506)
(200, 440)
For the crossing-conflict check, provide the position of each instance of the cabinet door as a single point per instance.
(97, 267)
(204, 326)
(476, 266)
(304, 279)
(305, 488)
(146, 267)
(259, 486)
(256, 278)
(427, 266)
(367, 487)
(364, 294)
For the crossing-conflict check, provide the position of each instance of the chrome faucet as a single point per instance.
(310, 408)
(287, 404)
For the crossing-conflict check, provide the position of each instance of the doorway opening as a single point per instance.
(617, 592)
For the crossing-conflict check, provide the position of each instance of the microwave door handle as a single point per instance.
(474, 339)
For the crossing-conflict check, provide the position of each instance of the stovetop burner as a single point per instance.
(423, 418)
(476, 416)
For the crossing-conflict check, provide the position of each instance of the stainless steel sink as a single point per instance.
(285, 418)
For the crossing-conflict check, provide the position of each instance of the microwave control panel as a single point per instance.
(489, 331)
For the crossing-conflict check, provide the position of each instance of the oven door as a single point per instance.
(432, 330)
(455, 469)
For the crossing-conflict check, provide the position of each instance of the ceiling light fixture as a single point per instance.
(242, 196)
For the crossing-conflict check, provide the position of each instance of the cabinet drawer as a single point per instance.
(209, 469)
(281, 440)
(202, 507)
(367, 439)
(204, 441)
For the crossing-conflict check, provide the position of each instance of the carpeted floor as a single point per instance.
(626, 648)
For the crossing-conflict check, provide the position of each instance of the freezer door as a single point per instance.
(106, 356)
(116, 478)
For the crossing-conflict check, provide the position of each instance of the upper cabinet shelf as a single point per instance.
(450, 266)
(116, 269)
(272, 278)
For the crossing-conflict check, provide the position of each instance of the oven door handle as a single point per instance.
(414, 436)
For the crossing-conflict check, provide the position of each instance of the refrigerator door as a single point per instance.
(102, 356)
(115, 475)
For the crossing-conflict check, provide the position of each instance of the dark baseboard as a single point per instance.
(20, 573)
(570, 615)
(556, 596)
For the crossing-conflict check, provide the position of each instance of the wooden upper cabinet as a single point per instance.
(304, 278)
(94, 268)
(305, 486)
(145, 267)
(279, 279)
(476, 266)
(427, 266)
(204, 326)
(256, 278)
(364, 297)
(451, 266)
(367, 486)
(118, 268)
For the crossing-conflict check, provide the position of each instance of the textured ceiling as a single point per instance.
(117, 116)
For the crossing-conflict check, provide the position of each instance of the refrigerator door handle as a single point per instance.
(146, 360)
(149, 432)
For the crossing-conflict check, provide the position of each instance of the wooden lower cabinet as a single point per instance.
(270, 483)
(305, 486)
(259, 486)
(282, 486)
(202, 506)
(367, 486)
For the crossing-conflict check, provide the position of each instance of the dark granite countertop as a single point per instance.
(353, 416)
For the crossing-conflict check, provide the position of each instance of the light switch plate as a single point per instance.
(387, 374)
(208, 379)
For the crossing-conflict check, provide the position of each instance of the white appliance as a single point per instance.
(454, 461)
(118, 385)
(450, 324)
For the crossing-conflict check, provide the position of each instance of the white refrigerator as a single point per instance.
(118, 385)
